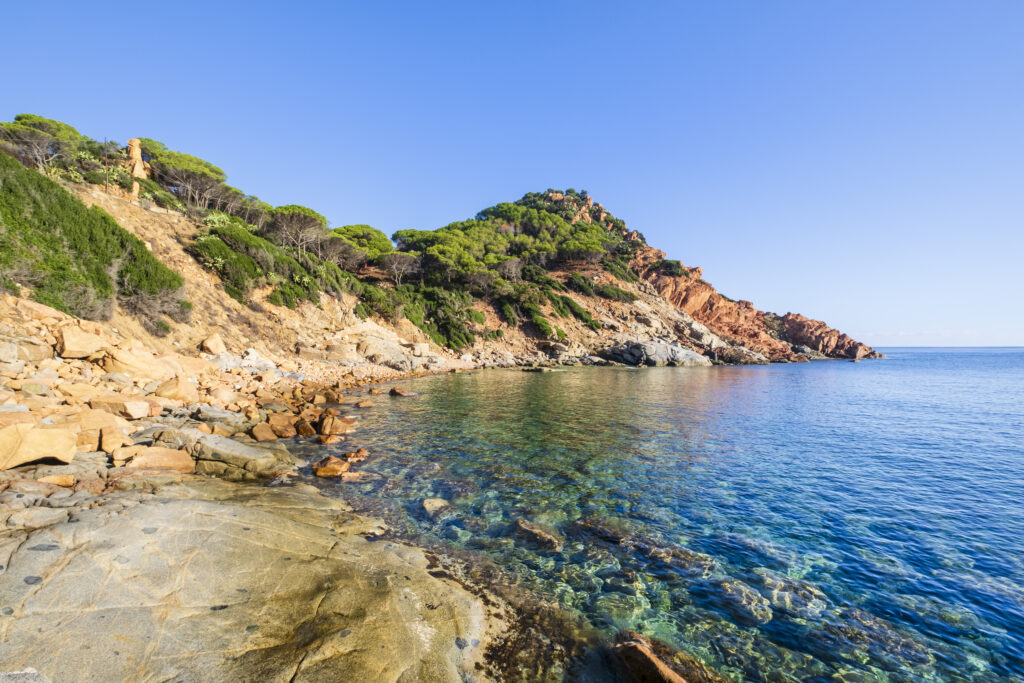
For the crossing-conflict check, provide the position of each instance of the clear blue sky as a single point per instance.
(859, 162)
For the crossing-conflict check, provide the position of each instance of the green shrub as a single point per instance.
(152, 191)
(370, 240)
(614, 293)
(66, 251)
(95, 177)
(620, 269)
(245, 260)
(580, 313)
(670, 268)
(508, 312)
(581, 283)
(536, 316)
(182, 312)
(158, 328)
(539, 276)
(560, 309)
(560, 333)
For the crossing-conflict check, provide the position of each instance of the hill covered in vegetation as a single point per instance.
(546, 263)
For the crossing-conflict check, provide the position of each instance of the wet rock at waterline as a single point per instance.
(330, 466)
(654, 353)
(635, 658)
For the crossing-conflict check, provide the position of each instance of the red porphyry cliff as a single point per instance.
(738, 322)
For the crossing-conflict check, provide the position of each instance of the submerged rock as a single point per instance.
(744, 603)
(793, 595)
(637, 663)
(538, 535)
(639, 659)
(434, 506)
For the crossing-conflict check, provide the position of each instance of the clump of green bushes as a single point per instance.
(244, 261)
(614, 293)
(620, 269)
(670, 268)
(78, 259)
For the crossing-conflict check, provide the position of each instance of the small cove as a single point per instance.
(823, 521)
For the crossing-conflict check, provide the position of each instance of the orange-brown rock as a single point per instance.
(178, 389)
(641, 665)
(263, 432)
(304, 428)
(163, 458)
(335, 425)
(739, 322)
(89, 419)
(74, 342)
(821, 337)
(213, 344)
(22, 443)
(112, 438)
(130, 407)
(359, 477)
(136, 166)
(88, 440)
(282, 425)
(329, 439)
(8, 419)
(136, 361)
(639, 659)
(63, 480)
(357, 455)
(330, 467)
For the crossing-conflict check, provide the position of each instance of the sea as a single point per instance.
(823, 521)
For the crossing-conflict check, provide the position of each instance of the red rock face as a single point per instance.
(818, 335)
(738, 322)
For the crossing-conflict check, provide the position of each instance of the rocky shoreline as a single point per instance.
(155, 525)
(133, 524)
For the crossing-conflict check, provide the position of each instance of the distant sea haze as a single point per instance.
(794, 519)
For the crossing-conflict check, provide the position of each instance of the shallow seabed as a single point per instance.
(823, 521)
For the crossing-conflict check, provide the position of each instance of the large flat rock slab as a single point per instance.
(205, 580)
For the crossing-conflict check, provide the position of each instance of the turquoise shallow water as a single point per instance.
(822, 521)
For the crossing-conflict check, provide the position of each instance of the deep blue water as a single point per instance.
(816, 521)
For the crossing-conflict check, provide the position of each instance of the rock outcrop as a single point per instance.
(739, 322)
(193, 579)
(654, 353)
(823, 339)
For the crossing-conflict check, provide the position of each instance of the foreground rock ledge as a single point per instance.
(187, 578)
